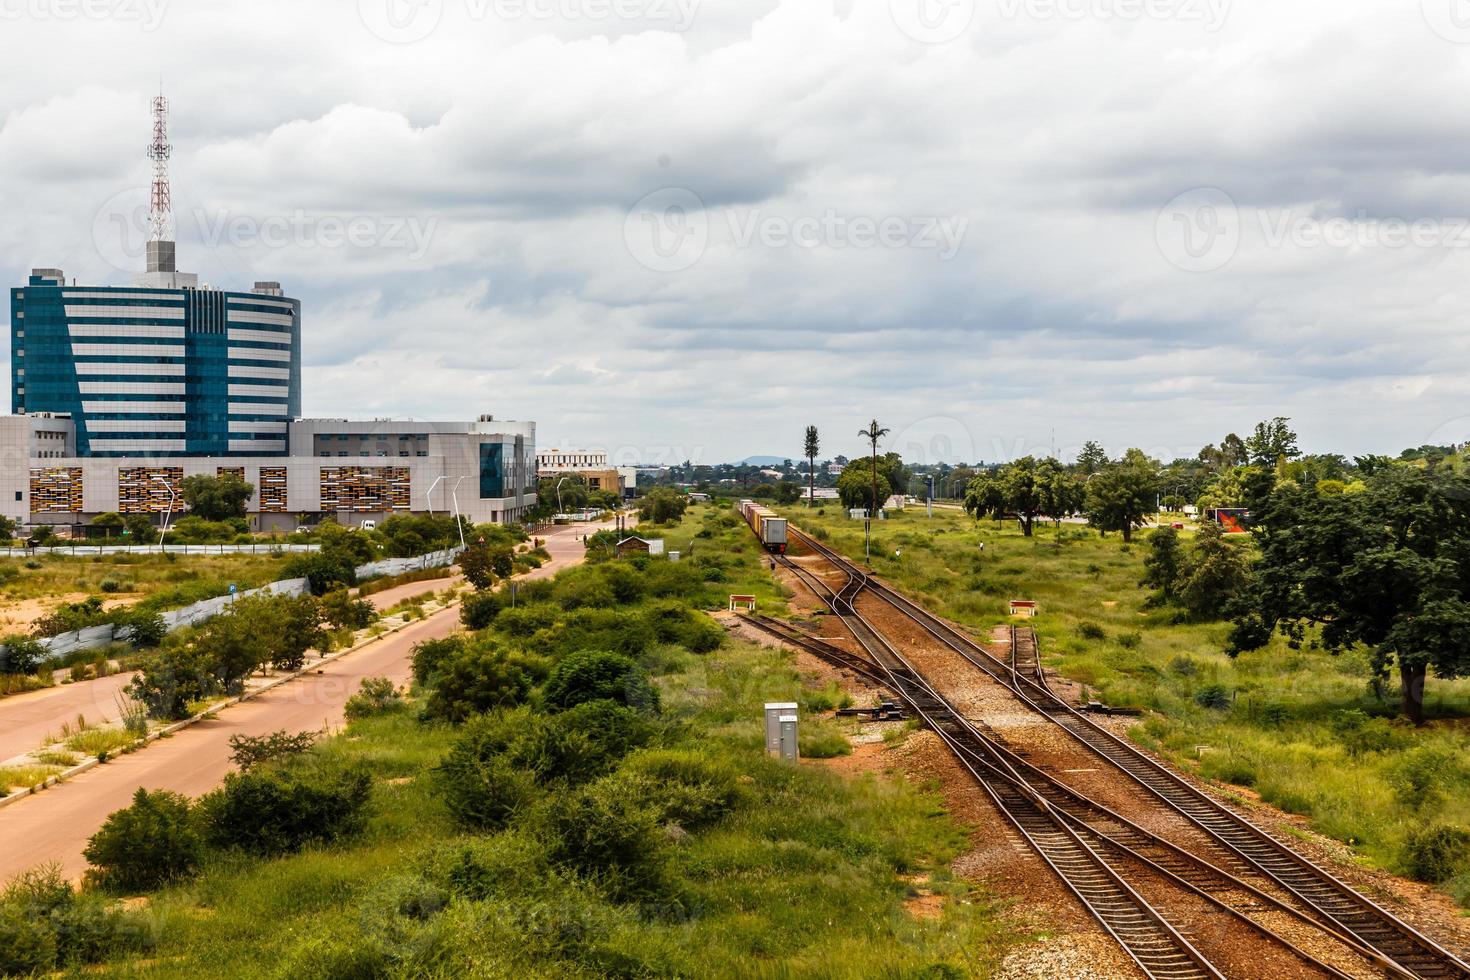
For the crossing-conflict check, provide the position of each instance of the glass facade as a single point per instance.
(492, 470)
(146, 371)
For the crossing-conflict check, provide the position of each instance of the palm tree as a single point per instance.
(872, 433)
(812, 448)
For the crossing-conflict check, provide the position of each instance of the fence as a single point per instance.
(92, 637)
(260, 548)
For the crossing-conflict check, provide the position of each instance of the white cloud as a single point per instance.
(455, 212)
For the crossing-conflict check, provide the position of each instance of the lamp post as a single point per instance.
(459, 522)
(559, 508)
(430, 495)
(168, 514)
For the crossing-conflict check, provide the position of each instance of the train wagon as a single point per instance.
(768, 527)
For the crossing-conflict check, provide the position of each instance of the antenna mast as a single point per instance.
(161, 210)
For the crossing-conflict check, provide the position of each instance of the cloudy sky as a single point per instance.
(684, 229)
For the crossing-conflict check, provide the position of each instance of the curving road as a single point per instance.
(54, 825)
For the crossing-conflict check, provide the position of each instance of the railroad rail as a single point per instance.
(1026, 657)
(1332, 901)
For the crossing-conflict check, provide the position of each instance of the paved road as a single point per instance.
(55, 825)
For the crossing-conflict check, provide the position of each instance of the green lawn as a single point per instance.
(169, 580)
(1303, 729)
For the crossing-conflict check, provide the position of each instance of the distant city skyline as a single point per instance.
(682, 230)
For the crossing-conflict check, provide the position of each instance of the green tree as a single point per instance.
(110, 521)
(7, 528)
(21, 654)
(1272, 443)
(474, 562)
(595, 675)
(1092, 458)
(477, 679)
(856, 487)
(1233, 451)
(216, 498)
(662, 506)
(146, 845)
(140, 528)
(1121, 495)
(1214, 574)
(1163, 564)
(812, 447)
(1383, 568)
(1026, 489)
(170, 682)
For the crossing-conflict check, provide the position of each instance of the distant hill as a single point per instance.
(764, 460)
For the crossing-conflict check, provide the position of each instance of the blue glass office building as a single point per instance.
(159, 368)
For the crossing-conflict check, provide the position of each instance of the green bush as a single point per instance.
(475, 680)
(341, 610)
(84, 927)
(274, 811)
(1436, 854)
(249, 751)
(110, 585)
(375, 695)
(824, 745)
(1214, 696)
(609, 836)
(27, 943)
(481, 787)
(595, 675)
(178, 676)
(1091, 631)
(324, 571)
(429, 656)
(479, 609)
(20, 654)
(151, 842)
(686, 786)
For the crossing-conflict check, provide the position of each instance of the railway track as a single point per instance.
(1329, 900)
(1041, 810)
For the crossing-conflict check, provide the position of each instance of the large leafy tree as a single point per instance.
(1214, 573)
(1272, 443)
(1092, 458)
(859, 488)
(1121, 495)
(216, 498)
(1027, 489)
(1388, 568)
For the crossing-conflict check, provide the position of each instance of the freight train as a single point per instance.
(767, 526)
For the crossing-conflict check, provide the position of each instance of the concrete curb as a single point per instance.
(214, 709)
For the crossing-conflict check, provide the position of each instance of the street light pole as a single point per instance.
(454, 494)
(559, 508)
(168, 514)
(430, 495)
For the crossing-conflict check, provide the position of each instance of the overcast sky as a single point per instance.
(678, 229)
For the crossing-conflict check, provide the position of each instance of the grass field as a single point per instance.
(1305, 730)
(161, 581)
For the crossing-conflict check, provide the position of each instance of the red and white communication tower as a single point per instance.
(161, 210)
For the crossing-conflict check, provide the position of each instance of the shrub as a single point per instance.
(1213, 696)
(274, 811)
(27, 943)
(171, 681)
(479, 609)
(151, 842)
(1129, 641)
(688, 787)
(344, 612)
(430, 655)
(110, 585)
(1436, 854)
(83, 926)
(824, 745)
(479, 786)
(21, 654)
(474, 681)
(145, 629)
(248, 751)
(1091, 631)
(374, 696)
(610, 836)
(324, 571)
(592, 675)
